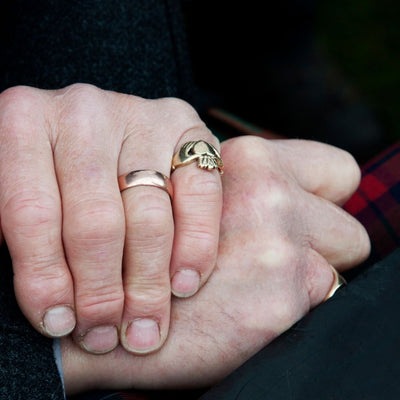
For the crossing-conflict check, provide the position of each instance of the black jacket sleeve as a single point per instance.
(27, 364)
(347, 348)
(129, 46)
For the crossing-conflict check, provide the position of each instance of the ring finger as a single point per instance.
(148, 245)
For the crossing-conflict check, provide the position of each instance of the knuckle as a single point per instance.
(182, 116)
(174, 106)
(284, 312)
(17, 96)
(273, 196)
(93, 306)
(80, 106)
(277, 193)
(94, 223)
(18, 107)
(200, 238)
(199, 250)
(38, 281)
(147, 299)
(150, 216)
(148, 280)
(44, 272)
(44, 266)
(279, 255)
(30, 214)
(99, 292)
(80, 92)
(250, 148)
(198, 186)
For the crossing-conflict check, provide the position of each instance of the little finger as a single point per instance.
(197, 205)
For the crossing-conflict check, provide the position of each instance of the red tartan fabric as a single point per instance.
(376, 204)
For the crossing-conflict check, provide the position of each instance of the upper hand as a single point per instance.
(86, 256)
(281, 229)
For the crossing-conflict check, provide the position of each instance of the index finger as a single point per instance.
(30, 208)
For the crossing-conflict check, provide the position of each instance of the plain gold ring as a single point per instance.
(145, 177)
(338, 282)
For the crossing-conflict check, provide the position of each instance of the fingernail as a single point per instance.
(143, 335)
(185, 283)
(59, 321)
(100, 340)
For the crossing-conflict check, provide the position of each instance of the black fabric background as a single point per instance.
(27, 367)
(134, 47)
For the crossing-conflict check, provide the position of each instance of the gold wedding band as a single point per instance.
(338, 282)
(145, 177)
(206, 155)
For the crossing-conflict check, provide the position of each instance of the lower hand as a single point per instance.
(281, 230)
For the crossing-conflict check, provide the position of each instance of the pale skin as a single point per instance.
(281, 227)
(278, 217)
(88, 259)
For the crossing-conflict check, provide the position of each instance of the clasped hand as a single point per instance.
(281, 228)
(91, 261)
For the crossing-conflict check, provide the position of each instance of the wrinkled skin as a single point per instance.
(280, 230)
(87, 258)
